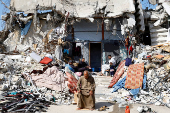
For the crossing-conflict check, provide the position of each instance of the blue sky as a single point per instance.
(2, 10)
(144, 3)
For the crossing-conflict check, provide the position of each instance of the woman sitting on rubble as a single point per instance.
(70, 68)
(74, 70)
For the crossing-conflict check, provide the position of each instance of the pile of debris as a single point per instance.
(145, 109)
(144, 78)
(30, 82)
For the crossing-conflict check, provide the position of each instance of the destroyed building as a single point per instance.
(77, 25)
(157, 22)
(41, 36)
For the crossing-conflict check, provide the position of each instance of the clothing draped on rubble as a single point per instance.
(58, 52)
(76, 51)
(85, 99)
(128, 61)
(118, 74)
(72, 82)
(134, 77)
(52, 78)
(121, 84)
(72, 78)
(67, 48)
(134, 92)
(66, 51)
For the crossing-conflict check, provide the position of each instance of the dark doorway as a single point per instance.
(146, 36)
(95, 56)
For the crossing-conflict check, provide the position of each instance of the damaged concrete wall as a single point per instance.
(139, 17)
(115, 27)
(77, 8)
(31, 38)
(158, 23)
(86, 30)
(158, 34)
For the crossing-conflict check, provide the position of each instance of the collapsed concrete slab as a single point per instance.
(76, 8)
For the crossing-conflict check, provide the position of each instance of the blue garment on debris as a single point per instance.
(67, 65)
(13, 93)
(128, 61)
(66, 51)
(121, 84)
(24, 31)
(134, 92)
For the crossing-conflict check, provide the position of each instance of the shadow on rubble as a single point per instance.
(101, 104)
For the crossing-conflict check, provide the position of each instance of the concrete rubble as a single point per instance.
(20, 92)
(34, 49)
(157, 91)
(157, 21)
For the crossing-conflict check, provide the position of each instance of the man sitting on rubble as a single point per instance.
(107, 66)
(83, 66)
(86, 89)
(70, 68)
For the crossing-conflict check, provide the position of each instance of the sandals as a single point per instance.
(103, 108)
(92, 109)
(78, 109)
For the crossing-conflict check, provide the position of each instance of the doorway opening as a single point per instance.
(95, 56)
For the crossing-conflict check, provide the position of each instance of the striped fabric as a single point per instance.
(72, 82)
(134, 77)
(118, 74)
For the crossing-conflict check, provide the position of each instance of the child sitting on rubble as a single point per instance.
(112, 70)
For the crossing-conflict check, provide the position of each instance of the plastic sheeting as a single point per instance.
(24, 31)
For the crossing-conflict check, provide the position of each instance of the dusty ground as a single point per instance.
(102, 83)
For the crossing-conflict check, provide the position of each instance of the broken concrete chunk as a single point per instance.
(5, 87)
(35, 56)
(158, 103)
